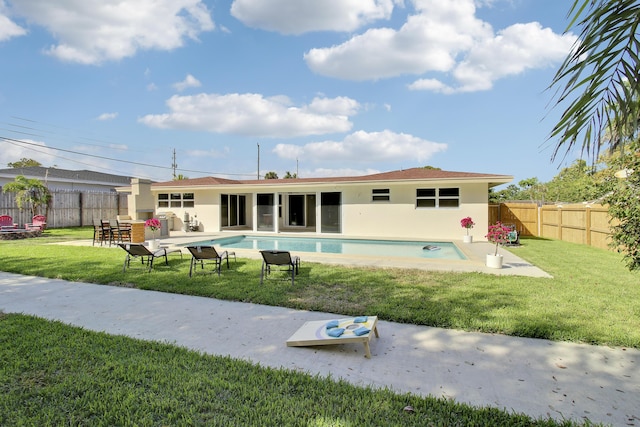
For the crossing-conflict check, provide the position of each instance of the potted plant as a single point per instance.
(153, 224)
(497, 234)
(467, 223)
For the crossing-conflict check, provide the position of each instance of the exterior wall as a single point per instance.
(400, 218)
(141, 201)
(206, 210)
(361, 217)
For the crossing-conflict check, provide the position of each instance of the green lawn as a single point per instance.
(56, 375)
(52, 374)
(592, 297)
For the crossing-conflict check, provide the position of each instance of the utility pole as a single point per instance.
(297, 175)
(174, 165)
(258, 159)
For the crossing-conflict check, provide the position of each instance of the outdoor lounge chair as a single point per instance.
(38, 222)
(208, 253)
(7, 222)
(138, 250)
(279, 259)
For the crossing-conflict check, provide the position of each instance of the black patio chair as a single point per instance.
(138, 250)
(279, 259)
(202, 254)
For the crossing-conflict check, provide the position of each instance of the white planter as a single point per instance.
(494, 261)
(467, 239)
(154, 244)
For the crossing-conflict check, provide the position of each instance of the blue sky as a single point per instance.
(324, 87)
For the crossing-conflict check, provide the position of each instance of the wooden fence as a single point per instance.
(576, 223)
(69, 208)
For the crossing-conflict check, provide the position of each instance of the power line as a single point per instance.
(7, 139)
(92, 166)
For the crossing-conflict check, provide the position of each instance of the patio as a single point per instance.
(475, 253)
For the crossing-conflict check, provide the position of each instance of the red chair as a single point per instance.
(7, 222)
(39, 222)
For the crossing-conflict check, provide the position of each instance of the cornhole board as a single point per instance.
(315, 333)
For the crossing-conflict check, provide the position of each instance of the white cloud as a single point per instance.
(254, 115)
(94, 31)
(443, 37)
(188, 82)
(107, 116)
(214, 154)
(325, 172)
(361, 146)
(30, 149)
(302, 16)
(8, 28)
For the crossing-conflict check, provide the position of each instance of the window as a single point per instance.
(163, 200)
(437, 197)
(176, 200)
(380, 195)
(233, 209)
(448, 197)
(426, 197)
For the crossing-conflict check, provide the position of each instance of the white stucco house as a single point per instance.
(416, 203)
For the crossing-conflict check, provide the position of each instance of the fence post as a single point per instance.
(80, 207)
(588, 225)
(559, 210)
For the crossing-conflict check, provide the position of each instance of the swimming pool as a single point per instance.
(386, 248)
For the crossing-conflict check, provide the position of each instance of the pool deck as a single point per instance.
(475, 252)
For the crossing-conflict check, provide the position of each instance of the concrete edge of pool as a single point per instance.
(475, 252)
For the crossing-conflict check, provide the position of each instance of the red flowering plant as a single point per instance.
(153, 224)
(498, 234)
(467, 223)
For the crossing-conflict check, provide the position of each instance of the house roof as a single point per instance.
(413, 174)
(84, 176)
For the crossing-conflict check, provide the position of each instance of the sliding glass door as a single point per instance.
(330, 211)
(233, 210)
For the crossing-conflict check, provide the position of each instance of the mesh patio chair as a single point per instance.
(204, 254)
(138, 250)
(284, 259)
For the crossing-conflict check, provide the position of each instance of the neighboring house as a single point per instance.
(415, 203)
(69, 180)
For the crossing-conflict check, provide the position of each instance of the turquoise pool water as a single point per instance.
(386, 248)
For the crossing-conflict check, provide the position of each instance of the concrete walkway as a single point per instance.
(536, 377)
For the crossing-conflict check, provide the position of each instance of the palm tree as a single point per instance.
(599, 78)
(29, 192)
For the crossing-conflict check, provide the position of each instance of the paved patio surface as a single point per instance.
(475, 252)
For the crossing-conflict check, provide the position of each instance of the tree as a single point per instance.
(289, 175)
(599, 78)
(271, 175)
(23, 163)
(29, 192)
(576, 183)
(624, 206)
(533, 189)
(180, 177)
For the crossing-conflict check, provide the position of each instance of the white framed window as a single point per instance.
(430, 198)
(380, 195)
(176, 200)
